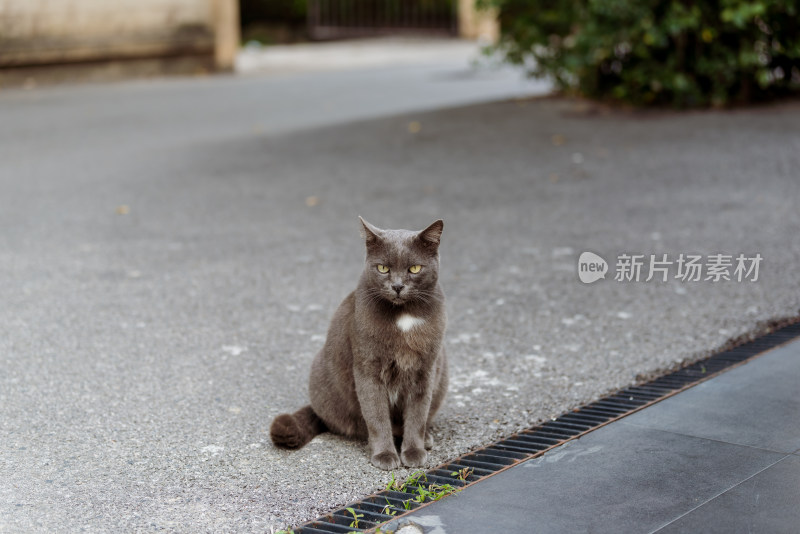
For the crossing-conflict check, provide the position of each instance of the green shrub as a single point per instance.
(657, 52)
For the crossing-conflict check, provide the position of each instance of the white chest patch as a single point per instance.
(394, 395)
(406, 322)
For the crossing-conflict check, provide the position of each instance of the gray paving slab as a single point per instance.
(766, 502)
(671, 471)
(755, 405)
(617, 479)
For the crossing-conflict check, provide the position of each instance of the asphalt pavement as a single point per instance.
(172, 251)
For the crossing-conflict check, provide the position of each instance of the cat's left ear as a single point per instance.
(431, 235)
(370, 233)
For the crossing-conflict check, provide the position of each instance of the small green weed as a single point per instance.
(463, 473)
(434, 492)
(356, 517)
(423, 491)
(387, 510)
(415, 477)
(411, 480)
(392, 485)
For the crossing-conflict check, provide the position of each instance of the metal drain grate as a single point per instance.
(389, 505)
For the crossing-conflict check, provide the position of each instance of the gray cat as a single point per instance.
(382, 372)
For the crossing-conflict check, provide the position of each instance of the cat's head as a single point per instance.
(402, 266)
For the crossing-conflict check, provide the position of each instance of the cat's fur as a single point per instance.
(382, 372)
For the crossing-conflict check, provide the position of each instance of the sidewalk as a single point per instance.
(720, 457)
(360, 54)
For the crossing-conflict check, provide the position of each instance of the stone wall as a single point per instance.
(474, 23)
(57, 32)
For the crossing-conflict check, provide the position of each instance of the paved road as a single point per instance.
(171, 253)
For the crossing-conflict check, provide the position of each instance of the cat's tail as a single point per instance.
(293, 430)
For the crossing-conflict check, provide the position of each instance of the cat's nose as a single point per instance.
(398, 288)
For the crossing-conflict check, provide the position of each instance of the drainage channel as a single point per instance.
(465, 470)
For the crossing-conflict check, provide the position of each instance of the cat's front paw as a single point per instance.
(428, 440)
(415, 457)
(386, 460)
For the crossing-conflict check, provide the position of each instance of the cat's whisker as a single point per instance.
(428, 297)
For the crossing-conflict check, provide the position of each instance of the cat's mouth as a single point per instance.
(396, 299)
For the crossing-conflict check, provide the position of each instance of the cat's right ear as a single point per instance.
(371, 234)
(431, 235)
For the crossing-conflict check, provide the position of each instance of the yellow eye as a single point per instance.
(414, 269)
(383, 269)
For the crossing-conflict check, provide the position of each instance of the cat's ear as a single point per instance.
(370, 233)
(431, 235)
